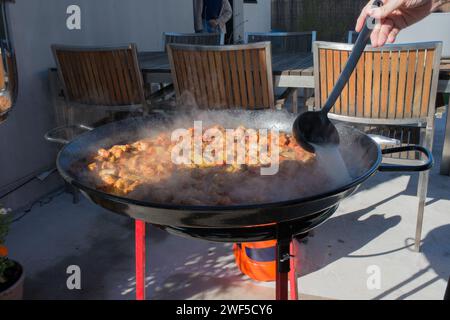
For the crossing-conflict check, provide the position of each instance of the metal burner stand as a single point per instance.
(283, 232)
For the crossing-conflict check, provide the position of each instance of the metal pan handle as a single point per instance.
(406, 168)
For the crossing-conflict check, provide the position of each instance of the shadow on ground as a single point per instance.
(100, 255)
(343, 235)
(436, 245)
(175, 269)
(326, 245)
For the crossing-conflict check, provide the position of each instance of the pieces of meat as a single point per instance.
(144, 169)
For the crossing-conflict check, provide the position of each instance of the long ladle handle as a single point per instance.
(352, 61)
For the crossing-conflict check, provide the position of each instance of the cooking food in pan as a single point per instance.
(146, 170)
(264, 201)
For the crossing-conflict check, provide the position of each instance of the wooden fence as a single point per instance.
(332, 19)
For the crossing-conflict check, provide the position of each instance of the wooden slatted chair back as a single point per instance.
(391, 92)
(238, 76)
(389, 84)
(100, 76)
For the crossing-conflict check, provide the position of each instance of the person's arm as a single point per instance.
(226, 13)
(394, 16)
(198, 19)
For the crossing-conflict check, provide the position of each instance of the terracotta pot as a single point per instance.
(15, 290)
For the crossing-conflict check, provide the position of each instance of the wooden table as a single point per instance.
(293, 70)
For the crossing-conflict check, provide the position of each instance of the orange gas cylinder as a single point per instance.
(257, 259)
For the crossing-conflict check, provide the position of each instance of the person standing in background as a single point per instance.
(211, 15)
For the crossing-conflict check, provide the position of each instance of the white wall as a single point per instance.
(38, 24)
(258, 16)
(435, 27)
(238, 20)
(251, 17)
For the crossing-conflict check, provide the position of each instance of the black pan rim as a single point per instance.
(287, 203)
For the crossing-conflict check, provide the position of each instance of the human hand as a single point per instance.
(393, 16)
(213, 23)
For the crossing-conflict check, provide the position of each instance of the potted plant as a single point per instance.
(11, 272)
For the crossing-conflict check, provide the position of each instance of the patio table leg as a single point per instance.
(140, 259)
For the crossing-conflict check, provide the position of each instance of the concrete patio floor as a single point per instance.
(372, 230)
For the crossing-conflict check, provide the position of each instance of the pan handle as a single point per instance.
(404, 168)
(52, 135)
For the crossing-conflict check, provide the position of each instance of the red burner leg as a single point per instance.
(293, 275)
(140, 259)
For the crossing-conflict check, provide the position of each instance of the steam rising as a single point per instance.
(326, 173)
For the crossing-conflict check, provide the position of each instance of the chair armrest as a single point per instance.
(62, 134)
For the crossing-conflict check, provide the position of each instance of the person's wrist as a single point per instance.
(434, 4)
(438, 3)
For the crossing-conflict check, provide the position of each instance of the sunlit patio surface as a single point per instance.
(371, 233)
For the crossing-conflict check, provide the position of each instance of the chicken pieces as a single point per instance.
(144, 169)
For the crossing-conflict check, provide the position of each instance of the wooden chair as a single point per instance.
(284, 42)
(100, 79)
(212, 39)
(236, 76)
(392, 92)
(97, 79)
